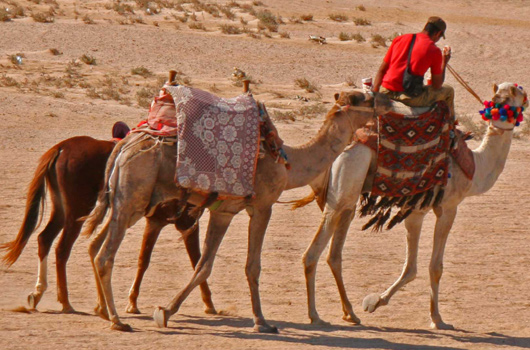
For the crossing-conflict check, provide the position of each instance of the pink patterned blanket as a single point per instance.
(218, 141)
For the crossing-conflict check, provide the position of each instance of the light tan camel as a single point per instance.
(356, 167)
(141, 176)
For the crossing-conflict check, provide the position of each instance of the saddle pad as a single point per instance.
(218, 141)
(412, 152)
(463, 156)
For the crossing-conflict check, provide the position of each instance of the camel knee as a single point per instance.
(310, 263)
(62, 253)
(436, 271)
(409, 274)
(334, 261)
(252, 272)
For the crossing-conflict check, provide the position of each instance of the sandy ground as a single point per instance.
(47, 99)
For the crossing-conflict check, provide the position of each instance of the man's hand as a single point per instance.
(446, 54)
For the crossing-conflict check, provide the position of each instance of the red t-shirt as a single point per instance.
(425, 55)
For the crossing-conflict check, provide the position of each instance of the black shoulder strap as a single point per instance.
(410, 49)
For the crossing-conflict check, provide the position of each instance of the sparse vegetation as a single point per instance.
(43, 17)
(55, 52)
(295, 20)
(8, 81)
(87, 59)
(361, 21)
(144, 72)
(145, 95)
(378, 40)
(268, 20)
(230, 29)
(227, 12)
(307, 18)
(5, 16)
(257, 3)
(344, 36)
(358, 37)
(338, 17)
(285, 35)
(197, 26)
(361, 8)
(88, 20)
(305, 84)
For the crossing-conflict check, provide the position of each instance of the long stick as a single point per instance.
(464, 84)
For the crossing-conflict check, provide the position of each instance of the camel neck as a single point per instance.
(309, 160)
(490, 159)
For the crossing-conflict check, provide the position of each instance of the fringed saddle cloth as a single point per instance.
(412, 163)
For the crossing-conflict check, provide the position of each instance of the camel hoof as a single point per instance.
(159, 315)
(442, 326)
(265, 329)
(122, 327)
(132, 309)
(68, 309)
(352, 319)
(101, 312)
(317, 321)
(210, 311)
(371, 302)
(33, 300)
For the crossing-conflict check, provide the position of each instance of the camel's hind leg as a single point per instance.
(413, 224)
(45, 240)
(152, 231)
(346, 182)
(93, 249)
(70, 234)
(217, 226)
(444, 222)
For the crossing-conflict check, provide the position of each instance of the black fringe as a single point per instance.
(402, 201)
(368, 208)
(364, 198)
(415, 199)
(372, 221)
(439, 197)
(427, 199)
(382, 203)
(382, 220)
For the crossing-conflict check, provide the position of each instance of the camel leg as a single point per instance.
(93, 249)
(334, 260)
(444, 222)
(151, 233)
(413, 225)
(310, 260)
(62, 253)
(45, 240)
(259, 220)
(217, 226)
(104, 262)
(192, 242)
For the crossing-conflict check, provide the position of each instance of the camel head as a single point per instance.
(507, 105)
(366, 104)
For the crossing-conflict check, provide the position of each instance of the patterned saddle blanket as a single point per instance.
(218, 141)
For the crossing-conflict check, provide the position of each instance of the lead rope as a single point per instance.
(464, 84)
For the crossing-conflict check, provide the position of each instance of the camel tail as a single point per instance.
(299, 203)
(95, 218)
(34, 207)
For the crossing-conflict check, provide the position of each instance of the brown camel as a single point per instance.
(73, 172)
(140, 175)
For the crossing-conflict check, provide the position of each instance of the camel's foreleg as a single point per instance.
(259, 219)
(413, 225)
(93, 249)
(444, 222)
(217, 226)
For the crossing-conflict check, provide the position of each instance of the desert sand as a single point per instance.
(54, 94)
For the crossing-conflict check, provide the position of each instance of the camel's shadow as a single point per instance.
(324, 335)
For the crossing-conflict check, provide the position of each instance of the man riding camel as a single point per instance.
(406, 86)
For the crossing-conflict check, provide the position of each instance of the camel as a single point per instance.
(73, 172)
(140, 175)
(354, 170)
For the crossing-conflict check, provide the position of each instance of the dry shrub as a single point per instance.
(378, 40)
(285, 35)
(361, 22)
(338, 17)
(230, 29)
(5, 15)
(361, 8)
(145, 96)
(295, 20)
(88, 20)
(232, 4)
(58, 94)
(182, 19)
(305, 84)
(55, 52)
(197, 26)
(358, 37)
(257, 3)
(344, 36)
(228, 12)
(43, 17)
(268, 20)
(8, 81)
(87, 59)
(281, 116)
(142, 71)
(307, 18)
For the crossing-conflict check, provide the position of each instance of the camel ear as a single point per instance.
(337, 97)
(513, 91)
(495, 88)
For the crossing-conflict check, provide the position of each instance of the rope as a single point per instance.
(464, 84)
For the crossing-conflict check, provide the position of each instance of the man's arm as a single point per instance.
(438, 79)
(379, 76)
